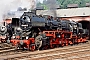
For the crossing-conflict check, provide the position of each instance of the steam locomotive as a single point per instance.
(5, 33)
(40, 32)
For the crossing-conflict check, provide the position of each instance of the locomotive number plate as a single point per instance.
(24, 25)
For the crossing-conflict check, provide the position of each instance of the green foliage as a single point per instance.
(64, 3)
(45, 7)
(42, 5)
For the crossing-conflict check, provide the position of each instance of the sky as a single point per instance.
(7, 5)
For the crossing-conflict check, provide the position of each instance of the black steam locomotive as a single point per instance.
(31, 26)
(5, 33)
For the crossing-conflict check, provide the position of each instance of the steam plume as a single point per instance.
(7, 5)
(52, 6)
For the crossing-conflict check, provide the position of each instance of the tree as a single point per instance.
(64, 3)
(82, 3)
(45, 7)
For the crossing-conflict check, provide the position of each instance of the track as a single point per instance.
(65, 54)
(5, 46)
(52, 54)
(8, 49)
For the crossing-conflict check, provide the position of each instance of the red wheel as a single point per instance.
(32, 48)
(66, 44)
(62, 44)
(2, 41)
(46, 47)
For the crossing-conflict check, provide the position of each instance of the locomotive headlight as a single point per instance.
(18, 29)
(58, 36)
(59, 25)
(75, 26)
(13, 37)
(27, 37)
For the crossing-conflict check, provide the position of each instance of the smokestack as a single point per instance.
(52, 6)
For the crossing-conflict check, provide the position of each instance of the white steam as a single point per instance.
(8, 5)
